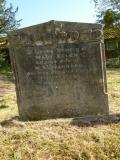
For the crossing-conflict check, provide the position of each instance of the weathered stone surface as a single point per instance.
(59, 70)
(94, 120)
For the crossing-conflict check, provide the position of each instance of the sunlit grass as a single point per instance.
(113, 79)
(58, 139)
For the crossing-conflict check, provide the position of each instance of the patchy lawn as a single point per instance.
(57, 139)
(113, 78)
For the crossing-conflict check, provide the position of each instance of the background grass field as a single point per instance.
(57, 139)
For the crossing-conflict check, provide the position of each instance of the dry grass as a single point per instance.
(113, 78)
(59, 139)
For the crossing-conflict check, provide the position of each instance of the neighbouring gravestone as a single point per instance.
(59, 70)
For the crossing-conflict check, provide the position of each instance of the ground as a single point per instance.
(58, 139)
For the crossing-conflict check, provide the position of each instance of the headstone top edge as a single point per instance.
(53, 22)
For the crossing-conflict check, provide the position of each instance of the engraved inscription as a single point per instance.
(54, 64)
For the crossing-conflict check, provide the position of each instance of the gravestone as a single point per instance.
(59, 70)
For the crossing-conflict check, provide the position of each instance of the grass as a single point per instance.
(58, 139)
(113, 78)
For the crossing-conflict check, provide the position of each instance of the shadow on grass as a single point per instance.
(3, 106)
(84, 121)
(9, 122)
(6, 75)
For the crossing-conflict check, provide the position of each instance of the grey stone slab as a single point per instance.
(59, 70)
